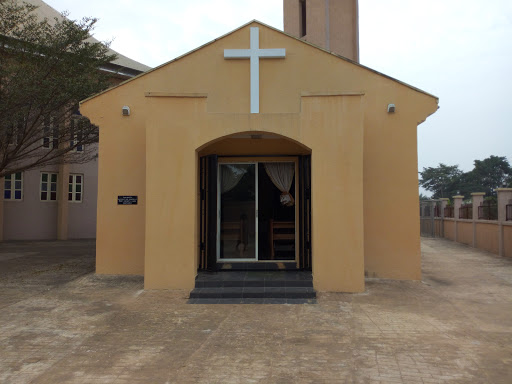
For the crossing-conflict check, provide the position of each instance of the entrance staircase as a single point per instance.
(253, 287)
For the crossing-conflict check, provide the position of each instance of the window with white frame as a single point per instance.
(77, 132)
(51, 133)
(76, 188)
(13, 186)
(48, 186)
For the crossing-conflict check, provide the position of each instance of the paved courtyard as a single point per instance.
(59, 323)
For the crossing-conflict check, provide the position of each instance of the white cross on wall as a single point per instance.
(254, 53)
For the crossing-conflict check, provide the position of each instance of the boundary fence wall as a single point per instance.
(490, 235)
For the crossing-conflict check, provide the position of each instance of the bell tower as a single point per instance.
(330, 24)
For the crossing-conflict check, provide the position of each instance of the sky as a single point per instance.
(457, 50)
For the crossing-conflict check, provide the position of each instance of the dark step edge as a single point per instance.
(258, 266)
(253, 283)
(213, 293)
(252, 301)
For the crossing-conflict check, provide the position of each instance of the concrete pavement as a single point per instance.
(60, 323)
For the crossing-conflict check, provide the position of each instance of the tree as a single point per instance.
(487, 175)
(423, 197)
(441, 180)
(492, 172)
(46, 68)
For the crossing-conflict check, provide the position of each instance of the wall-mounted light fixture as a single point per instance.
(391, 108)
(126, 110)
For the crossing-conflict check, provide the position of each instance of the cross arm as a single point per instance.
(275, 53)
(237, 53)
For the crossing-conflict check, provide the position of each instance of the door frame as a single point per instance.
(256, 160)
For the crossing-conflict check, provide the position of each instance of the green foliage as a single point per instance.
(493, 172)
(423, 197)
(491, 199)
(46, 68)
(440, 180)
(487, 175)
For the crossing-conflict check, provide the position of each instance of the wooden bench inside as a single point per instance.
(281, 231)
(234, 230)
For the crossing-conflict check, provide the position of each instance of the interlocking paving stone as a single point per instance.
(60, 323)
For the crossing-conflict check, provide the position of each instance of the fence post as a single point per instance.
(457, 203)
(504, 196)
(444, 203)
(477, 198)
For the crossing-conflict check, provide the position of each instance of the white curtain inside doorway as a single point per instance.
(231, 174)
(281, 175)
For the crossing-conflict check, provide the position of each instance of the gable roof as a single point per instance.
(276, 30)
(43, 10)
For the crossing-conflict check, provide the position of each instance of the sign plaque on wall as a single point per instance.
(127, 200)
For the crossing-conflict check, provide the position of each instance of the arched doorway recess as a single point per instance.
(254, 203)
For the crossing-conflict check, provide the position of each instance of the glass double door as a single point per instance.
(255, 211)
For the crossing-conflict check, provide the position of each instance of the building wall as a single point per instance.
(344, 28)
(82, 216)
(30, 218)
(291, 17)
(121, 171)
(33, 219)
(183, 106)
(174, 226)
(331, 24)
(239, 146)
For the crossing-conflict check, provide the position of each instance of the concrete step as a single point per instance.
(253, 283)
(252, 301)
(245, 292)
(257, 266)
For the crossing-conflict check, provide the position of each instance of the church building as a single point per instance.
(262, 150)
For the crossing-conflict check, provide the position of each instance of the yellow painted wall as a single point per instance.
(363, 159)
(121, 171)
(487, 237)
(507, 240)
(243, 147)
(465, 232)
(449, 229)
(336, 169)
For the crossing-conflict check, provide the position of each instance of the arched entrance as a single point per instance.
(254, 203)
